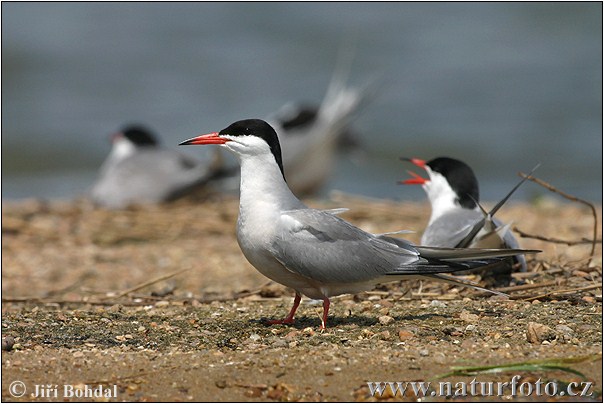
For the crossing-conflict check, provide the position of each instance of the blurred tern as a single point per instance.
(313, 251)
(311, 135)
(457, 219)
(139, 170)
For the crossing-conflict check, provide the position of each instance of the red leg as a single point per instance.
(325, 311)
(290, 317)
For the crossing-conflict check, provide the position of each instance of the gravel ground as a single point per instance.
(83, 304)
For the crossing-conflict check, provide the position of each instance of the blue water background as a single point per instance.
(499, 85)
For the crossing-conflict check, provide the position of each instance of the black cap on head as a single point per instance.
(461, 178)
(261, 129)
(304, 116)
(139, 135)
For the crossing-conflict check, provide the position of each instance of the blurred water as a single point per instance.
(498, 85)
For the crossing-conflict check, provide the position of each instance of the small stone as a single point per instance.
(564, 332)
(292, 334)
(280, 343)
(537, 333)
(424, 352)
(308, 331)
(8, 342)
(588, 299)
(221, 384)
(78, 354)
(255, 337)
(385, 320)
(468, 317)
(162, 303)
(253, 392)
(404, 335)
(437, 303)
(470, 327)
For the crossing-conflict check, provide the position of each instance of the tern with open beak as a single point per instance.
(457, 219)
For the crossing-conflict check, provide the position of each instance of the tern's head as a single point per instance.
(126, 141)
(138, 135)
(450, 182)
(246, 138)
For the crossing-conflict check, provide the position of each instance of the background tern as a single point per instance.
(457, 219)
(312, 134)
(313, 251)
(139, 170)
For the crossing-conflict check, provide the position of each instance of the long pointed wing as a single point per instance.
(323, 247)
(468, 239)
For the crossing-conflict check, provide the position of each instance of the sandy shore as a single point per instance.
(67, 268)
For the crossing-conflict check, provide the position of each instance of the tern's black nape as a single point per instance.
(139, 135)
(261, 129)
(460, 177)
(304, 116)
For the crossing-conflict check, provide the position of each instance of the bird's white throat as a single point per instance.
(263, 189)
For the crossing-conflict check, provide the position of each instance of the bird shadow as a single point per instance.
(303, 322)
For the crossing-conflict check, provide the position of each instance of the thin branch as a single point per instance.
(575, 199)
(149, 283)
(555, 240)
(557, 292)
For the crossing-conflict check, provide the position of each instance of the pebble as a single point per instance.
(437, 303)
(8, 342)
(280, 343)
(537, 333)
(424, 352)
(385, 320)
(468, 317)
(404, 335)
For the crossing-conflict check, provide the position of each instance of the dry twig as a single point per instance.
(555, 240)
(149, 283)
(575, 199)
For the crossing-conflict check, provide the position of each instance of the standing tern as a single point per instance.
(139, 170)
(313, 251)
(457, 219)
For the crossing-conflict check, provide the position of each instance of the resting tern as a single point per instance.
(311, 135)
(312, 251)
(457, 219)
(139, 170)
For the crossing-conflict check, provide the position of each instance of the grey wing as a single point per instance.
(511, 242)
(323, 247)
(449, 229)
(148, 176)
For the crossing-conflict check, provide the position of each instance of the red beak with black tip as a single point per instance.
(416, 180)
(210, 138)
